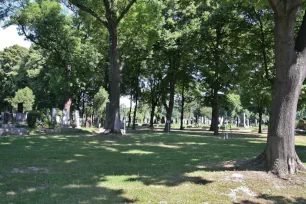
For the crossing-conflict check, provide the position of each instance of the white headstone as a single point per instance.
(65, 118)
(76, 115)
(54, 115)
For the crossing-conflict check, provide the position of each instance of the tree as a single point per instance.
(12, 65)
(100, 101)
(219, 53)
(290, 58)
(108, 17)
(177, 34)
(44, 24)
(24, 96)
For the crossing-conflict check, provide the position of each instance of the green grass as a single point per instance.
(142, 168)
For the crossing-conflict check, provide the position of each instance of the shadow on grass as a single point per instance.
(82, 166)
(276, 200)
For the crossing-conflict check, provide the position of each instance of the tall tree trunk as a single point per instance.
(130, 112)
(260, 118)
(136, 103)
(171, 105)
(280, 155)
(113, 123)
(215, 113)
(152, 114)
(135, 111)
(182, 108)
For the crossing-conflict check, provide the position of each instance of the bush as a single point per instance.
(32, 118)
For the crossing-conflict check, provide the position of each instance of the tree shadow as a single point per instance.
(174, 181)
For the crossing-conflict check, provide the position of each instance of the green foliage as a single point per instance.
(32, 118)
(46, 118)
(12, 77)
(206, 111)
(24, 96)
(233, 104)
(100, 101)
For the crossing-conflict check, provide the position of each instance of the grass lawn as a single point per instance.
(146, 167)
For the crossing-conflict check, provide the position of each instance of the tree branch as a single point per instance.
(127, 8)
(29, 37)
(107, 7)
(300, 42)
(91, 12)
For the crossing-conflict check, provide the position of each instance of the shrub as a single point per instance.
(24, 96)
(32, 118)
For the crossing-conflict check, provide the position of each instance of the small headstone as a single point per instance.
(57, 119)
(168, 125)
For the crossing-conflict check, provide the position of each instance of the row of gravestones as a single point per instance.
(64, 121)
(77, 120)
(10, 117)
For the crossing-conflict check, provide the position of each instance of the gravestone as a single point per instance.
(168, 125)
(57, 119)
(21, 117)
(65, 120)
(221, 120)
(2, 117)
(242, 120)
(8, 117)
(76, 115)
(247, 122)
(54, 115)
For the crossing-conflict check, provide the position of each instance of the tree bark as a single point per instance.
(170, 107)
(152, 114)
(182, 108)
(215, 113)
(135, 109)
(113, 122)
(260, 118)
(280, 155)
(130, 112)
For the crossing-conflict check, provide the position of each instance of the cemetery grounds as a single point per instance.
(141, 167)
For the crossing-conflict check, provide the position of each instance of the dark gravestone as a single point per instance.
(8, 117)
(20, 108)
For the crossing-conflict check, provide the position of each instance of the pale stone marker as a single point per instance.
(76, 114)
(65, 118)
(54, 115)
